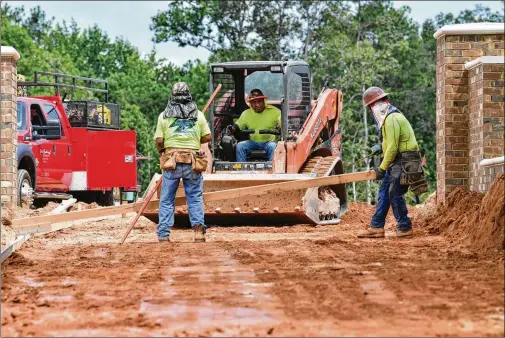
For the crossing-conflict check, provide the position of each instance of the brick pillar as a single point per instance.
(8, 127)
(486, 124)
(457, 45)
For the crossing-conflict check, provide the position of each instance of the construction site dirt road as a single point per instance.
(251, 281)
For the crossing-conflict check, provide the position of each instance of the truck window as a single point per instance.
(37, 117)
(21, 116)
(271, 84)
(52, 114)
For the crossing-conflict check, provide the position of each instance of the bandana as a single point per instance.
(379, 112)
(181, 105)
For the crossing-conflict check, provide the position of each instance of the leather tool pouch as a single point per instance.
(170, 158)
(167, 160)
(413, 172)
(199, 161)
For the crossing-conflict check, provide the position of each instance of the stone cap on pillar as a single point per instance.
(10, 51)
(471, 29)
(485, 59)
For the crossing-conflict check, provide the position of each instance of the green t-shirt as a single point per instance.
(181, 133)
(270, 119)
(398, 135)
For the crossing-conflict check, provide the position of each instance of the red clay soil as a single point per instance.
(250, 281)
(472, 219)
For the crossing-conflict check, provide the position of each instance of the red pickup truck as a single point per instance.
(72, 148)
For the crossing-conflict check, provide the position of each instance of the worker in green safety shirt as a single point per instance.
(180, 131)
(260, 116)
(400, 168)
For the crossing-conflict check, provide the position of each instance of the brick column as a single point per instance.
(457, 45)
(486, 123)
(8, 127)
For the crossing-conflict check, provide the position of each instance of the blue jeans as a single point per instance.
(193, 187)
(244, 147)
(391, 194)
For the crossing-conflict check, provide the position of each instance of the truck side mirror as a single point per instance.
(52, 130)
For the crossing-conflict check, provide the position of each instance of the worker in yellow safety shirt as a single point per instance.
(261, 116)
(400, 168)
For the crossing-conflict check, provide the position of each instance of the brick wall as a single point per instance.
(486, 123)
(8, 127)
(457, 45)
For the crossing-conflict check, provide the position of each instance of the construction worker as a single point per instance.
(181, 130)
(399, 146)
(261, 116)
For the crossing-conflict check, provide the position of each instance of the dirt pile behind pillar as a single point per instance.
(471, 218)
(6, 231)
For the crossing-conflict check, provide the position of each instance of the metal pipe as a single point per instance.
(492, 161)
(51, 195)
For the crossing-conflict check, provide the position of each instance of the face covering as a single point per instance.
(181, 105)
(379, 112)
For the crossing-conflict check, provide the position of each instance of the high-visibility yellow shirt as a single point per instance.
(398, 136)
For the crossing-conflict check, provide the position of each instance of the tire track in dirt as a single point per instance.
(137, 289)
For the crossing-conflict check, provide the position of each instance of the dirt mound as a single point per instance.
(472, 218)
(359, 212)
(6, 230)
(6, 216)
(427, 210)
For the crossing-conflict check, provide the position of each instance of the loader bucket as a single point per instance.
(305, 206)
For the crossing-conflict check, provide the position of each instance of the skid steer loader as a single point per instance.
(309, 146)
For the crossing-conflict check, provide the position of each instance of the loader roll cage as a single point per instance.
(88, 114)
(286, 83)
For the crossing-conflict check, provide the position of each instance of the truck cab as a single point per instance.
(72, 148)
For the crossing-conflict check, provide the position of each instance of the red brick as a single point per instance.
(451, 52)
(464, 45)
(493, 91)
(493, 76)
(472, 52)
(461, 81)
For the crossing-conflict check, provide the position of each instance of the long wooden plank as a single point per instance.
(208, 197)
(75, 215)
(275, 187)
(33, 229)
(13, 247)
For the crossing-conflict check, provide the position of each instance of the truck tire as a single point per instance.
(24, 184)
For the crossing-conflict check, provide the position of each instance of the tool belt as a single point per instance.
(171, 156)
(412, 171)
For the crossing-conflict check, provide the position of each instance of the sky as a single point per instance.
(131, 19)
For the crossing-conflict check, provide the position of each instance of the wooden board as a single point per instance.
(275, 187)
(13, 247)
(75, 215)
(208, 197)
(33, 229)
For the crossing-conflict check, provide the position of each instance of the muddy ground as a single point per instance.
(251, 281)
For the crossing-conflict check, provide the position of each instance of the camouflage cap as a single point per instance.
(180, 89)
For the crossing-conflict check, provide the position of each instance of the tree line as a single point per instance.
(353, 44)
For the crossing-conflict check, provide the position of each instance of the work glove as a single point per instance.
(379, 174)
(376, 150)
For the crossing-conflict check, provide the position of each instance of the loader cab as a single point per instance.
(288, 87)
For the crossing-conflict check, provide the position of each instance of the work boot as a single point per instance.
(199, 234)
(404, 233)
(164, 239)
(372, 233)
